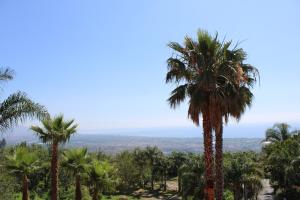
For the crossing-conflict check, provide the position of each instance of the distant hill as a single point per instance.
(116, 142)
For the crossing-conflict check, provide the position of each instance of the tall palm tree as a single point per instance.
(76, 161)
(217, 83)
(55, 131)
(17, 107)
(235, 97)
(23, 163)
(101, 178)
(192, 70)
(279, 132)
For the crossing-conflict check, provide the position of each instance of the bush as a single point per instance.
(228, 195)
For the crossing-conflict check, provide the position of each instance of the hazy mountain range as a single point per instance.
(167, 139)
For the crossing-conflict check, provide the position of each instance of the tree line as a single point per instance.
(97, 175)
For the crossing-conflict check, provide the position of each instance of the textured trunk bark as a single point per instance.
(25, 188)
(236, 195)
(208, 156)
(96, 195)
(152, 180)
(179, 184)
(78, 194)
(219, 162)
(54, 171)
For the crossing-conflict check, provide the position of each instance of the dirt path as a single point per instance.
(267, 192)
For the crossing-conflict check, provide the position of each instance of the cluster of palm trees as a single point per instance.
(217, 83)
(56, 131)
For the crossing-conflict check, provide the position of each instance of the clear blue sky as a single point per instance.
(104, 62)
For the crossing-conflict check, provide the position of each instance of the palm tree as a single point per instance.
(76, 161)
(55, 131)
(235, 97)
(152, 154)
(243, 174)
(191, 177)
(279, 132)
(101, 178)
(214, 79)
(17, 107)
(177, 159)
(23, 163)
(142, 163)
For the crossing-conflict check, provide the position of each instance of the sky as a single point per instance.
(104, 62)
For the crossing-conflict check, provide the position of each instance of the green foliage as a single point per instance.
(128, 172)
(279, 132)
(282, 161)
(76, 160)
(243, 174)
(22, 162)
(211, 73)
(191, 177)
(55, 130)
(102, 178)
(228, 195)
(17, 107)
(70, 193)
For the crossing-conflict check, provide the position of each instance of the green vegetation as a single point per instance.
(17, 107)
(55, 131)
(144, 173)
(23, 163)
(282, 161)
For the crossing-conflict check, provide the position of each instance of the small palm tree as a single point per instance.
(55, 131)
(76, 161)
(153, 154)
(23, 163)
(243, 174)
(279, 132)
(17, 107)
(101, 178)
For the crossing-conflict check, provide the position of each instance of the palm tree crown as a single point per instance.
(101, 178)
(17, 107)
(55, 130)
(76, 160)
(22, 161)
(208, 72)
(279, 132)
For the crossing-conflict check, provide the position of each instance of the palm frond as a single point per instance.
(17, 108)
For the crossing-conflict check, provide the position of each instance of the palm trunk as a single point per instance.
(152, 183)
(236, 194)
(219, 162)
(96, 194)
(152, 178)
(208, 156)
(25, 188)
(179, 184)
(78, 194)
(54, 171)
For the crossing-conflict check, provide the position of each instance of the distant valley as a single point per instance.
(116, 142)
